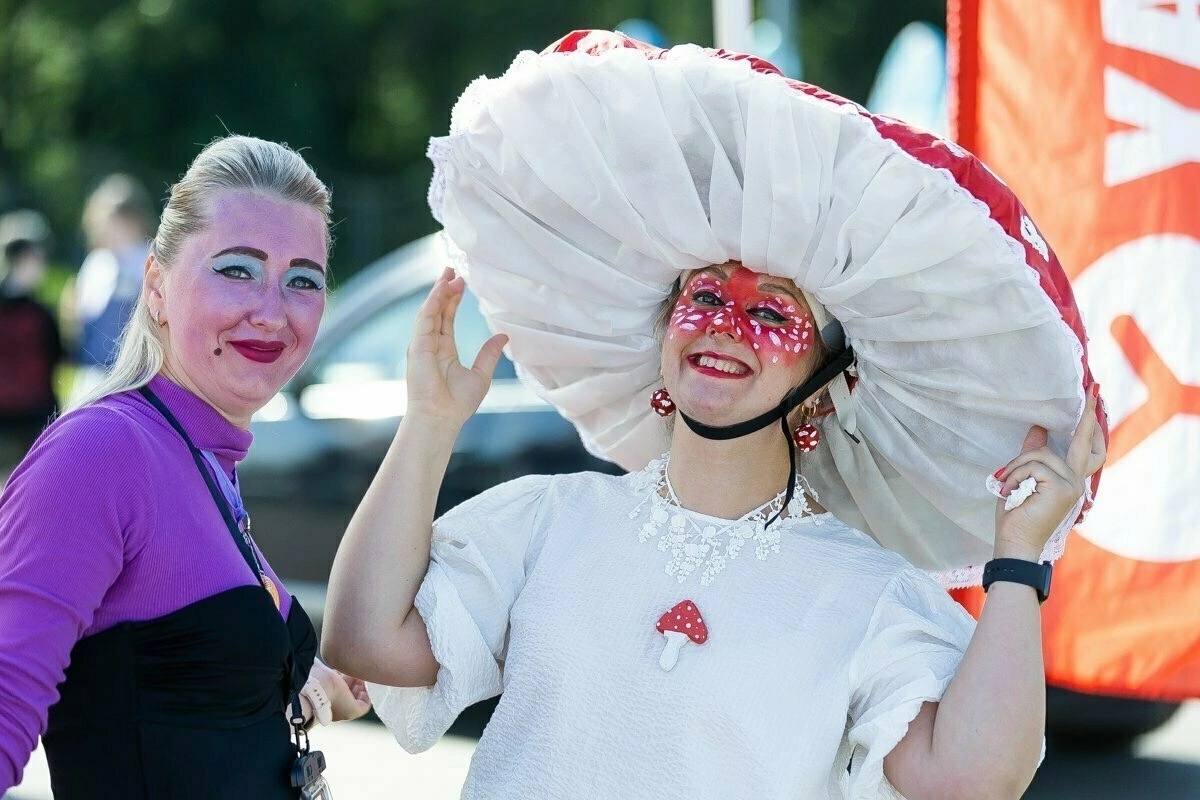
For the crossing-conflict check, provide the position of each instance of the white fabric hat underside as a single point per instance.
(576, 188)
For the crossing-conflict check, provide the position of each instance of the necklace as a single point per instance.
(709, 545)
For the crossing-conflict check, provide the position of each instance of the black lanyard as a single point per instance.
(240, 538)
(308, 766)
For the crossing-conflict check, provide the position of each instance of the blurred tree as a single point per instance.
(843, 42)
(88, 87)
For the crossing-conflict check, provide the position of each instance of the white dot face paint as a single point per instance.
(770, 320)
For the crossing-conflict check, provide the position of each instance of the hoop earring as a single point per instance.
(662, 404)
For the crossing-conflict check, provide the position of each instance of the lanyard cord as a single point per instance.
(839, 362)
(240, 537)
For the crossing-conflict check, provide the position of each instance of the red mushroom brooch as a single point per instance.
(681, 624)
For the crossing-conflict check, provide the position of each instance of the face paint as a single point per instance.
(773, 324)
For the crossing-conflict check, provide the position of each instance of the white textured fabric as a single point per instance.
(576, 188)
(540, 588)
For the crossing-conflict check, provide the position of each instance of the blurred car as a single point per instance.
(318, 443)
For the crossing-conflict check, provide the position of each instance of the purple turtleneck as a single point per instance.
(105, 521)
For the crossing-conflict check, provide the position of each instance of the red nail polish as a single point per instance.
(999, 474)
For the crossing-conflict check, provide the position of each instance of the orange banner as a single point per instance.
(1090, 111)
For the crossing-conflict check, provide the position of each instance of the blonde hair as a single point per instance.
(118, 196)
(232, 162)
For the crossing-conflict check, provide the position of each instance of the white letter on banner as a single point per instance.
(1145, 25)
(1149, 510)
(1167, 134)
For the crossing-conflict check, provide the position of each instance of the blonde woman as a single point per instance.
(805, 334)
(144, 636)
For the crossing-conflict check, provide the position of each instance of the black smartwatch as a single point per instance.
(1018, 570)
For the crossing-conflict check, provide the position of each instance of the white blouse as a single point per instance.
(820, 650)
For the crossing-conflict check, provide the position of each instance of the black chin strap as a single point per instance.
(837, 364)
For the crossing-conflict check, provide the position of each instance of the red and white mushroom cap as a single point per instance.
(684, 618)
(680, 625)
(579, 187)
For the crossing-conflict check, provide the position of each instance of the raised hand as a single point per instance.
(1023, 531)
(439, 387)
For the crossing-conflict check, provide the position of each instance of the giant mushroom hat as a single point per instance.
(578, 187)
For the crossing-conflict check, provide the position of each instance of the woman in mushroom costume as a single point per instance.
(685, 233)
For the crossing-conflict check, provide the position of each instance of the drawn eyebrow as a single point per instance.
(307, 262)
(775, 287)
(254, 252)
(716, 269)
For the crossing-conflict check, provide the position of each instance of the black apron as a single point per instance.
(187, 706)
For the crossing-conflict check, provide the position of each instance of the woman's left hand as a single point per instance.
(329, 696)
(1023, 531)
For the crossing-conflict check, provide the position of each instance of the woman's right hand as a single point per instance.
(439, 387)
(331, 696)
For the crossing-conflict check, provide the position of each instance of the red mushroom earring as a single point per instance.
(662, 404)
(806, 437)
(680, 625)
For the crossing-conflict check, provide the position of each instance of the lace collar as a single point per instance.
(698, 542)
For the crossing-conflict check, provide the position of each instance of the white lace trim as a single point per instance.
(972, 575)
(470, 103)
(439, 151)
(707, 546)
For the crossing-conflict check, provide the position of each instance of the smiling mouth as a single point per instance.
(718, 366)
(260, 352)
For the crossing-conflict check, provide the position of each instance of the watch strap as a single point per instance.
(1018, 570)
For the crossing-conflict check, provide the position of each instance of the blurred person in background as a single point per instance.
(840, 387)
(30, 344)
(117, 223)
(143, 635)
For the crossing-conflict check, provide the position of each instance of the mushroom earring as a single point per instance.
(806, 437)
(680, 625)
(662, 404)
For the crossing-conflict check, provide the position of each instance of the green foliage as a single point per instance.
(844, 41)
(92, 86)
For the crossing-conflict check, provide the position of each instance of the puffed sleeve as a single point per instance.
(911, 650)
(480, 554)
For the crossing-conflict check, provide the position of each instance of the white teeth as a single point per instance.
(732, 367)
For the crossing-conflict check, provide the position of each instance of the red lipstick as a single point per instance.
(694, 361)
(263, 352)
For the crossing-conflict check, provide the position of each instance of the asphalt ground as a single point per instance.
(365, 763)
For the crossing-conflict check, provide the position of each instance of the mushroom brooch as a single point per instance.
(681, 624)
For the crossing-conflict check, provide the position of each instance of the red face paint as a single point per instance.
(778, 329)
